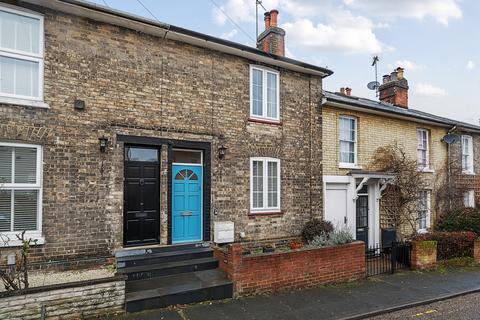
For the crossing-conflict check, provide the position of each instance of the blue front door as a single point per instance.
(186, 203)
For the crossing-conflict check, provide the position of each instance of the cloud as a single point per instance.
(441, 10)
(237, 10)
(343, 32)
(470, 65)
(407, 65)
(426, 89)
(229, 35)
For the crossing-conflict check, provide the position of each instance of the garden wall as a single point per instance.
(79, 300)
(254, 274)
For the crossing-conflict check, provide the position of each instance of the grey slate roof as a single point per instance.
(390, 108)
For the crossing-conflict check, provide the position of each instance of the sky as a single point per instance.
(436, 41)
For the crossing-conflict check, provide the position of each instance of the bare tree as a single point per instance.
(401, 198)
(15, 277)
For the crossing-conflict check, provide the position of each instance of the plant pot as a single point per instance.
(268, 249)
(294, 245)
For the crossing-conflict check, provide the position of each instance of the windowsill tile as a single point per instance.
(349, 166)
(426, 170)
(9, 239)
(264, 213)
(24, 102)
(469, 173)
(265, 121)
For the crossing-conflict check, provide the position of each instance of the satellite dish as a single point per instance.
(450, 138)
(373, 85)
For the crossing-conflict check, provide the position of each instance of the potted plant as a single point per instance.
(296, 244)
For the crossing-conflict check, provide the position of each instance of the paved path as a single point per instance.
(332, 302)
(461, 308)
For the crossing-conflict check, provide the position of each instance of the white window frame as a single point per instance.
(470, 168)
(265, 72)
(469, 199)
(355, 144)
(265, 207)
(27, 56)
(427, 150)
(11, 236)
(428, 214)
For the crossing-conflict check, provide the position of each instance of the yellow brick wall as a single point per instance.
(374, 131)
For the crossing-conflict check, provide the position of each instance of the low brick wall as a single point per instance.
(79, 300)
(476, 251)
(254, 274)
(424, 255)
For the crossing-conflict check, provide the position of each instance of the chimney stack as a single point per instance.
(394, 89)
(272, 40)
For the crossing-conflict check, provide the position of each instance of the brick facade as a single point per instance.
(424, 255)
(135, 84)
(289, 270)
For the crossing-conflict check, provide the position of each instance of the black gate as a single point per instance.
(388, 259)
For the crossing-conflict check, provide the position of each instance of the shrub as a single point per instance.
(342, 236)
(463, 219)
(316, 227)
(451, 244)
(319, 241)
(337, 237)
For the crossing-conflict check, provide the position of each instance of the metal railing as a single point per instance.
(381, 260)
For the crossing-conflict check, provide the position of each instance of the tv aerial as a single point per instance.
(258, 3)
(450, 138)
(374, 85)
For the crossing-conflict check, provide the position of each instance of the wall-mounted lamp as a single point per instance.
(222, 151)
(103, 144)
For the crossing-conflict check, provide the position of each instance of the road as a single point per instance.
(460, 308)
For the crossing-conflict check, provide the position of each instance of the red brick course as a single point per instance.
(476, 251)
(424, 255)
(291, 270)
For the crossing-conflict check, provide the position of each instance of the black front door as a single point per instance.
(141, 196)
(362, 218)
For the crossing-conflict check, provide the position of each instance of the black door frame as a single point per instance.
(207, 169)
(158, 164)
(367, 227)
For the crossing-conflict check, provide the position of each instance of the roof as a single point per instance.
(394, 111)
(124, 19)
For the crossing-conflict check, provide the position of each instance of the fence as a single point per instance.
(387, 259)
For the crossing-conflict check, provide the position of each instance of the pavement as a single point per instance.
(355, 300)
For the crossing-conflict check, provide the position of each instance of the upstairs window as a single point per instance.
(348, 141)
(20, 187)
(467, 154)
(264, 185)
(264, 94)
(21, 54)
(422, 149)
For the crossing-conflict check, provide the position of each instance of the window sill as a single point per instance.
(469, 173)
(265, 121)
(349, 166)
(264, 213)
(426, 170)
(9, 239)
(24, 102)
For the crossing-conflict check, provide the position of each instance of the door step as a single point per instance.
(174, 289)
(168, 268)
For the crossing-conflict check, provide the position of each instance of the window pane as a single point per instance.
(5, 210)
(272, 184)
(271, 95)
(5, 164)
(182, 156)
(25, 165)
(347, 152)
(19, 77)
(257, 92)
(257, 172)
(19, 32)
(25, 210)
(141, 154)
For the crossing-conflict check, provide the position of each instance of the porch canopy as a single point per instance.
(383, 179)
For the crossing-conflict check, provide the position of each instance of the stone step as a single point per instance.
(168, 268)
(175, 289)
(163, 257)
(159, 249)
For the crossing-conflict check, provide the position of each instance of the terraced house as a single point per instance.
(357, 127)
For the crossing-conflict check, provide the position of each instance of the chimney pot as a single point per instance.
(348, 91)
(274, 17)
(386, 78)
(399, 72)
(342, 91)
(267, 20)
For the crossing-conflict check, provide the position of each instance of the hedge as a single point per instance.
(462, 219)
(451, 244)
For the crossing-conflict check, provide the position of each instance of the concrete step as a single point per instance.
(168, 268)
(175, 289)
(163, 257)
(159, 249)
